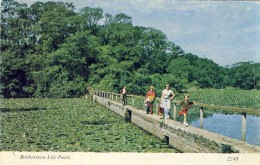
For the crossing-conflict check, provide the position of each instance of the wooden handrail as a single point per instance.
(219, 107)
(228, 108)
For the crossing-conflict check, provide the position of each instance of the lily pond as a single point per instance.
(69, 125)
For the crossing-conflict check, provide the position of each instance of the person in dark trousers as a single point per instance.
(150, 97)
(186, 105)
(123, 96)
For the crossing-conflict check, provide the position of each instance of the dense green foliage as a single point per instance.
(50, 50)
(70, 125)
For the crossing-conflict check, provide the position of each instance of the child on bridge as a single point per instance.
(186, 105)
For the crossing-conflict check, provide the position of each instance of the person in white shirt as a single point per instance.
(167, 96)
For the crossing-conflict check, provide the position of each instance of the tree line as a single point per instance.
(51, 50)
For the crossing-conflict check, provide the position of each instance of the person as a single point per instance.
(150, 97)
(160, 109)
(123, 93)
(186, 105)
(167, 96)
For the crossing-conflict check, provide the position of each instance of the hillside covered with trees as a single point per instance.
(50, 50)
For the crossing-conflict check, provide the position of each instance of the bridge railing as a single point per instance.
(138, 102)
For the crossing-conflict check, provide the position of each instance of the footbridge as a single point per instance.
(185, 139)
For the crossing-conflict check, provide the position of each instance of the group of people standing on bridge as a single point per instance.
(165, 106)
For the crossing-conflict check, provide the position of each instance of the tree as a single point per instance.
(14, 46)
(122, 18)
(67, 67)
(245, 75)
(90, 18)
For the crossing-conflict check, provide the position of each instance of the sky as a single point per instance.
(226, 32)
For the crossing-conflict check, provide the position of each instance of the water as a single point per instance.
(230, 125)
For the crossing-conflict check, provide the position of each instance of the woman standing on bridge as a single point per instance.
(167, 96)
(150, 97)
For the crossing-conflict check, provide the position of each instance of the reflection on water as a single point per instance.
(229, 125)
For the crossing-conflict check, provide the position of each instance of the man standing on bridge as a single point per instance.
(123, 93)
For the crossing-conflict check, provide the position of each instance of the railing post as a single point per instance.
(112, 96)
(243, 126)
(133, 101)
(201, 117)
(157, 108)
(174, 111)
